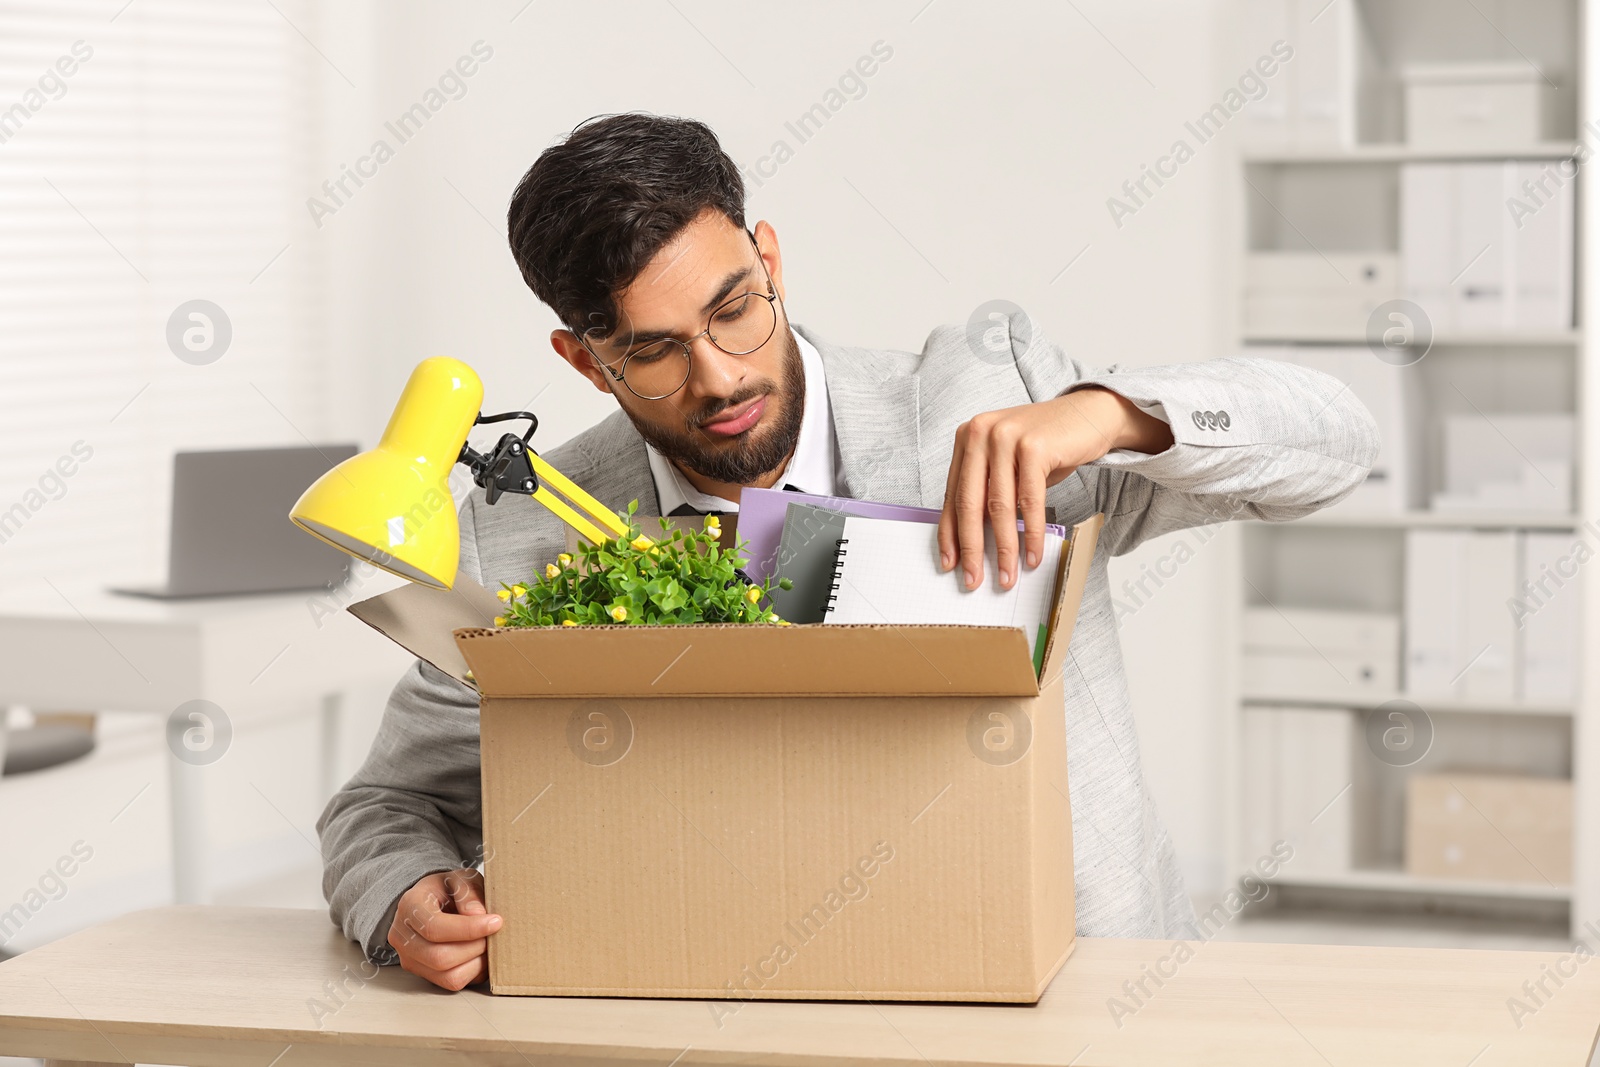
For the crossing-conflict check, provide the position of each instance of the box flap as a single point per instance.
(1075, 563)
(421, 619)
(749, 660)
(448, 628)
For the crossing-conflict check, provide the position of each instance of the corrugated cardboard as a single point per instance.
(814, 812)
(1498, 828)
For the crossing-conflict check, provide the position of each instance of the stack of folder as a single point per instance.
(859, 561)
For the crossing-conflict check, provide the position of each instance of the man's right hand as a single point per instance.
(441, 929)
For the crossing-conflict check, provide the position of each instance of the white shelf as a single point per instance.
(1494, 519)
(1403, 153)
(1432, 705)
(1504, 339)
(1348, 198)
(1557, 339)
(1400, 881)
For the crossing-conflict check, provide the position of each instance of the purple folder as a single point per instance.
(761, 513)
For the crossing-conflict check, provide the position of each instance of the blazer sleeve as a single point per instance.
(1252, 439)
(415, 806)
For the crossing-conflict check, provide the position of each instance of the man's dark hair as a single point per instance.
(594, 209)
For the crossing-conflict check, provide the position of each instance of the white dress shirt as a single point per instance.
(814, 467)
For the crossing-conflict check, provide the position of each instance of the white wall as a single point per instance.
(976, 165)
(161, 173)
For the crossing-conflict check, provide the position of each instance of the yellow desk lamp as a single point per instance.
(392, 506)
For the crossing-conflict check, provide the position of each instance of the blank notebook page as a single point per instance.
(888, 572)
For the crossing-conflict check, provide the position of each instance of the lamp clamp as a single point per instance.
(507, 466)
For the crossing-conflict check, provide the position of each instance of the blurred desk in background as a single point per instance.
(257, 658)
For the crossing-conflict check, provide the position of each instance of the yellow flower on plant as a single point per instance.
(569, 622)
(752, 594)
(563, 559)
(619, 613)
(641, 542)
(499, 620)
(713, 530)
(551, 570)
(783, 622)
(519, 590)
(504, 594)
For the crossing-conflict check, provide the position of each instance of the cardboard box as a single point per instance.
(1314, 654)
(1512, 462)
(1497, 828)
(1473, 105)
(1303, 295)
(734, 811)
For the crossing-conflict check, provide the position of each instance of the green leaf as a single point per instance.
(684, 577)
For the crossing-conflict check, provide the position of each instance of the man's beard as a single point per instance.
(743, 461)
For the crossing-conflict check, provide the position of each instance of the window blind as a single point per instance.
(151, 153)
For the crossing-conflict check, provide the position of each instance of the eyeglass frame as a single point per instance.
(774, 301)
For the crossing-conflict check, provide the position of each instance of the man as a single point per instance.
(633, 231)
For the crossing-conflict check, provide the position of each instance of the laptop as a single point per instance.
(231, 532)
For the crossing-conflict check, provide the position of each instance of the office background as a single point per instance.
(229, 153)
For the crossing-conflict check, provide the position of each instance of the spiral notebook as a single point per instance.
(764, 516)
(811, 533)
(887, 571)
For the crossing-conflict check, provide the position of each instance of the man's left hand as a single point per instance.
(1005, 460)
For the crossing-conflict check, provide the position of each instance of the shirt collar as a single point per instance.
(814, 467)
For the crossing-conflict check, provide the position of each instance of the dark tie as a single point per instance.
(687, 509)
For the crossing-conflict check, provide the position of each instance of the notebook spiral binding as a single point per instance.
(838, 573)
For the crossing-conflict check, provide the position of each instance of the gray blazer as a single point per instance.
(1253, 439)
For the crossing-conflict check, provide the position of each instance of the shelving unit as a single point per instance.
(1433, 707)
(1394, 881)
(1509, 520)
(1401, 153)
(1345, 200)
(1565, 338)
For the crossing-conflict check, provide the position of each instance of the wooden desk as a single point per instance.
(259, 987)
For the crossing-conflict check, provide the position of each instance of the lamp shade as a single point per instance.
(392, 506)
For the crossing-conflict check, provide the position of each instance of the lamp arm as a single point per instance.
(507, 416)
(513, 466)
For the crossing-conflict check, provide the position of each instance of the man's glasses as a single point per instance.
(737, 326)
